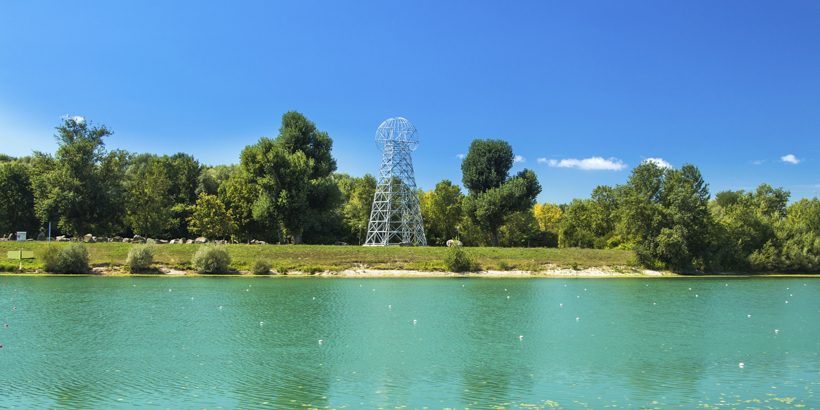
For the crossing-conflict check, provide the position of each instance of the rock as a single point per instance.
(126, 240)
(162, 242)
(116, 239)
(62, 238)
(189, 242)
(405, 244)
(201, 240)
(173, 241)
(138, 239)
(453, 241)
(340, 243)
(88, 238)
(151, 241)
(41, 236)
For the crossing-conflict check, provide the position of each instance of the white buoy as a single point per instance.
(520, 337)
(390, 306)
(220, 307)
(787, 301)
(776, 331)
(320, 341)
(414, 321)
(749, 315)
(654, 303)
(508, 297)
(261, 323)
(577, 318)
(314, 298)
(562, 305)
(741, 365)
(192, 298)
(696, 295)
(374, 290)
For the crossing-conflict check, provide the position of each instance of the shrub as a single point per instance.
(140, 257)
(458, 260)
(282, 269)
(502, 265)
(71, 258)
(260, 266)
(211, 259)
(312, 270)
(574, 265)
(49, 255)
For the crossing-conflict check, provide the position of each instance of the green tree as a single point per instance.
(149, 204)
(16, 199)
(287, 171)
(442, 212)
(494, 196)
(210, 219)
(238, 194)
(83, 186)
(666, 211)
(487, 165)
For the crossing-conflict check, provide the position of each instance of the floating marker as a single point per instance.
(654, 303)
(314, 298)
(6, 325)
(390, 306)
(520, 337)
(787, 301)
(508, 297)
(320, 341)
(192, 298)
(562, 305)
(776, 331)
(414, 320)
(749, 315)
(577, 318)
(220, 307)
(741, 365)
(696, 295)
(261, 323)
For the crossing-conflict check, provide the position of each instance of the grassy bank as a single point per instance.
(337, 258)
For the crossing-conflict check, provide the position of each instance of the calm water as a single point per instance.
(236, 342)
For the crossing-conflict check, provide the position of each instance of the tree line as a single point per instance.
(286, 189)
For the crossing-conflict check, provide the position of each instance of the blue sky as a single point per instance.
(582, 90)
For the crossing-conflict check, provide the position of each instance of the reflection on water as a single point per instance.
(96, 342)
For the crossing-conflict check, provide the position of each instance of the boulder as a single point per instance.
(88, 238)
(151, 241)
(41, 236)
(116, 239)
(162, 242)
(340, 243)
(201, 240)
(405, 244)
(189, 242)
(126, 240)
(62, 238)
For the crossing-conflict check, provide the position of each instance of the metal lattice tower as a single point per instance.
(396, 215)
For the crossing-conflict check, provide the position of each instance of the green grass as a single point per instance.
(319, 258)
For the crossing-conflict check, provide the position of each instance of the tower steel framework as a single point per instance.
(396, 215)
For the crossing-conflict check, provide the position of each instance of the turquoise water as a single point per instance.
(253, 343)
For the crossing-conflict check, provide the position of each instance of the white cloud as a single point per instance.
(75, 118)
(460, 156)
(595, 163)
(759, 162)
(519, 158)
(790, 158)
(542, 160)
(659, 162)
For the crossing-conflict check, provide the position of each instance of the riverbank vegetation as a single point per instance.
(327, 258)
(287, 190)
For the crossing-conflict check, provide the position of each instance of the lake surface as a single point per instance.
(253, 343)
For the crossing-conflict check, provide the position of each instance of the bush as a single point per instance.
(211, 259)
(312, 270)
(574, 265)
(260, 266)
(458, 260)
(71, 258)
(282, 269)
(49, 255)
(140, 257)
